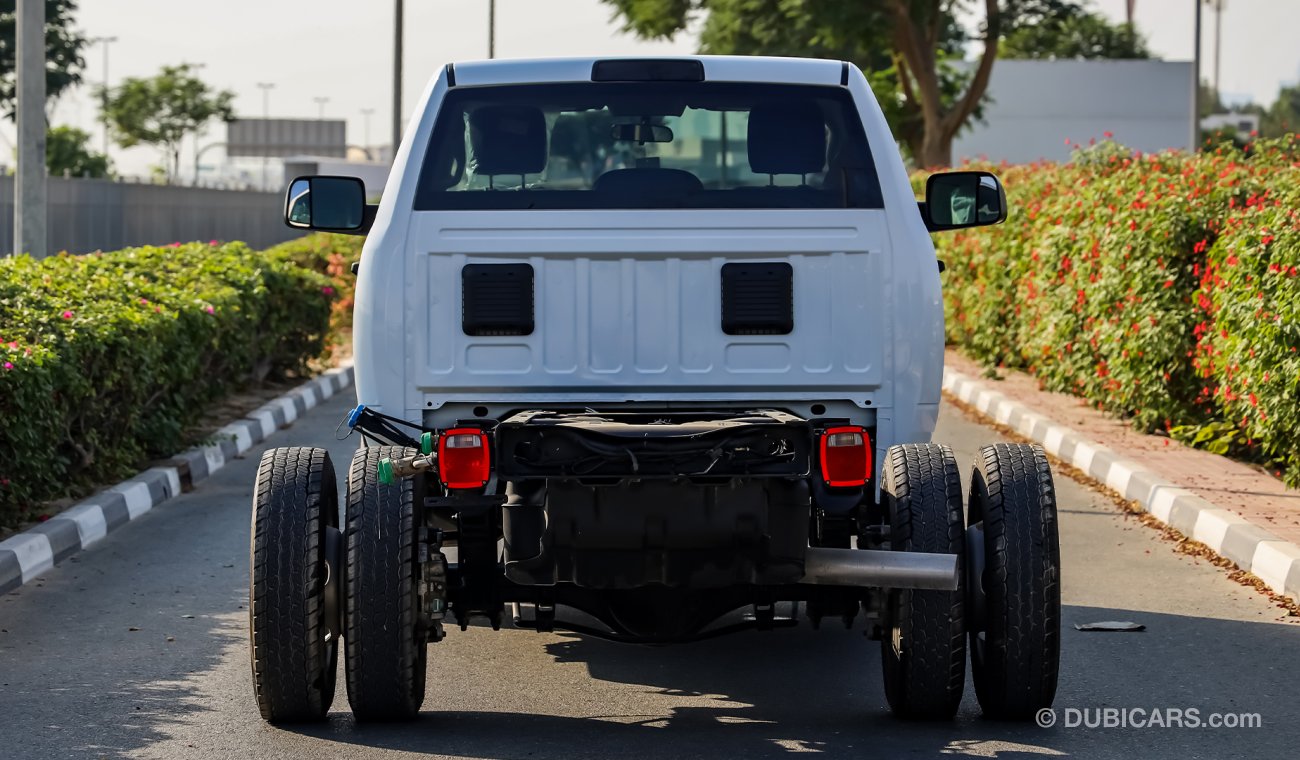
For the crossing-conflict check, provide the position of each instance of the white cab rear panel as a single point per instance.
(628, 306)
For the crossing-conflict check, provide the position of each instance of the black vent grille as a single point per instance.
(758, 299)
(497, 299)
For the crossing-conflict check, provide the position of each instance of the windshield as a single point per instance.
(648, 145)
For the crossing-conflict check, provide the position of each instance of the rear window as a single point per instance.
(648, 145)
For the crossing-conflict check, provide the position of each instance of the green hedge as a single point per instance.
(332, 256)
(1163, 288)
(105, 359)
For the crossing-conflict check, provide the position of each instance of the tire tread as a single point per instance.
(1013, 493)
(294, 500)
(385, 659)
(926, 679)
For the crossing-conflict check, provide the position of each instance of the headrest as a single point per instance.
(654, 183)
(787, 138)
(508, 139)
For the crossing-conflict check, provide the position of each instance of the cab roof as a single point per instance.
(718, 68)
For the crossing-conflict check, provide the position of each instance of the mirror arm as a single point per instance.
(925, 217)
(367, 221)
(368, 218)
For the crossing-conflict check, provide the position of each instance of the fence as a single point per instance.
(88, 214)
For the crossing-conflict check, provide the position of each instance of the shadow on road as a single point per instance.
(773, 694)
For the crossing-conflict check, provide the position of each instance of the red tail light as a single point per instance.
(463, 460)
(846, 456)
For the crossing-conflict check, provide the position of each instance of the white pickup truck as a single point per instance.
(651, 350)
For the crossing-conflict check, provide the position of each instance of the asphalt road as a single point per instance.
(138, 648)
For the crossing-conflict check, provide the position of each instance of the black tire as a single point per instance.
(1014, 582)
(923, 650)
(385, 652)
(294, 654)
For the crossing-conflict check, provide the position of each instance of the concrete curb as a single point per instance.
(1254, 549)
(32, 552)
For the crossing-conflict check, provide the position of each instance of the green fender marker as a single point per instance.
(426, 443)
(386, 471)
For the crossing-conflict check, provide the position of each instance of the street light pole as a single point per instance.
(1196, 82)
(1218, 36)
(266, 88)
(103, 103)
(397, 80)
(320, 103)
(29, 198)
(492, 28)
(366, 113)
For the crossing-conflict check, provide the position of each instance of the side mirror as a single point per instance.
(956, 200)
(329, 204)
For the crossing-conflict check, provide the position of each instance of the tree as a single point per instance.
(907, 48)
(1066, 29)
(162, 109)
(63, 45)
(68, 153)
(1283, 116)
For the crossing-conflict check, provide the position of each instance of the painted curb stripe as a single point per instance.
(214, 457)
(287, 408)
(168, 478)
(138, 500)
(265, 421)
(92, 526)
(63, 537)
(1275, 561)
(240, 434)
(33, 552)
(11, 573)
(198, 465)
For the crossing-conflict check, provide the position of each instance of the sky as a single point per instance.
(342, 50)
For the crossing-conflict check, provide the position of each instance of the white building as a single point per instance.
(1041, 109)
(1241, 123)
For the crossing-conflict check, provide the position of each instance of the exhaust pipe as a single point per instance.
(882, 569)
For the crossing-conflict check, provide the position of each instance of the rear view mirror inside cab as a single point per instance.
(957, 200)
(641, 133)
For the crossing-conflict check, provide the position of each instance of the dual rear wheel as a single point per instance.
(1007, 606)
(312, 583)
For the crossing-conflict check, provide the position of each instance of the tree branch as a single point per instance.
(953, 120)
(904, 78)
(908, 40)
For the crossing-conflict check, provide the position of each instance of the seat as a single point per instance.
(508, 139)
(649, 186)
(786, 138)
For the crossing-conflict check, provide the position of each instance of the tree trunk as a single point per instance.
(936, 150)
